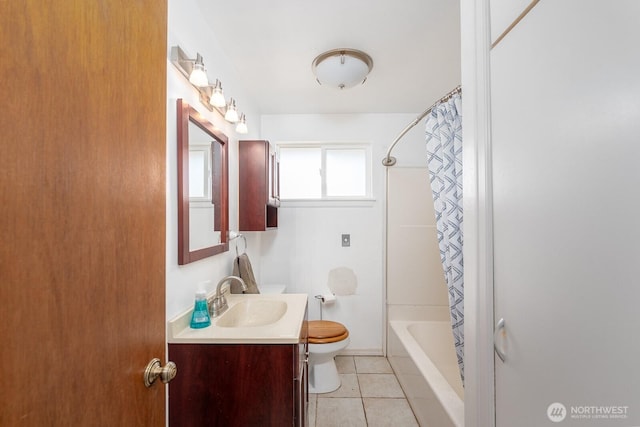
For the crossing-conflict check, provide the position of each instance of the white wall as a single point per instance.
(504, 13)
(192, 34)
(307, 244)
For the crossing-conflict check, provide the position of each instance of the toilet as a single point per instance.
(326, 339)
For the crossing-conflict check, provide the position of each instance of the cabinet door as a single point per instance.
(565, 126)
(300, 397)
(302, 378)
(258, 186)
(229, 385)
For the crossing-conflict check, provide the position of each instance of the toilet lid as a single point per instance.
(326, 331)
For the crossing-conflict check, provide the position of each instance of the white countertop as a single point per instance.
(284, 331)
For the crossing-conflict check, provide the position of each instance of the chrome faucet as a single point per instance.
(218, 304)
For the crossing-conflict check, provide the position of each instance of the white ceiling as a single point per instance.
(415, 46)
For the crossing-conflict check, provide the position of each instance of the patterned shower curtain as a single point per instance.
(444, 156)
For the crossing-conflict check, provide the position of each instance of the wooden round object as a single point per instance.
(326, 331)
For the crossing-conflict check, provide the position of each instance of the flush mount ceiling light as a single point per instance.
(342, 68)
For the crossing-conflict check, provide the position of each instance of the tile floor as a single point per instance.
(370, 396)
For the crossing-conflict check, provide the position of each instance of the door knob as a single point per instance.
(155, 370)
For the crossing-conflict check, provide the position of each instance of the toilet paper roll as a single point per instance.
(328, 299)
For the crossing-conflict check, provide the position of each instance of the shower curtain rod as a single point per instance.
(390, 160)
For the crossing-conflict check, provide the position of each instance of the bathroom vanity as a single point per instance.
(246, 369)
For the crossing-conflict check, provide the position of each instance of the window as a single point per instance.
(199, 173)
(323, 171)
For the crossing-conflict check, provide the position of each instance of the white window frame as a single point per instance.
(204, 178)
(325, 200)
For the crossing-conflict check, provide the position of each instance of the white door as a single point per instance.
(565, 91)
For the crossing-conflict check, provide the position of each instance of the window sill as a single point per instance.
(327, 203)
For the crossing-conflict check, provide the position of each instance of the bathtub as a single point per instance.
(422, 355)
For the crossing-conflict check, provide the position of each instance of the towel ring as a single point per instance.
(234, 235)
(245, 244)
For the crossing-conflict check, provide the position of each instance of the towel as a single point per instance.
(242, 269)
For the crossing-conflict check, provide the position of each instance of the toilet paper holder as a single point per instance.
(325, 299)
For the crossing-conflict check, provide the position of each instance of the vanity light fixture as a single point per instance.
(342, 68)
(211, 96)
(231, 115)
(242, 125)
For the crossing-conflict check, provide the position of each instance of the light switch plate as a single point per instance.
(346, 240)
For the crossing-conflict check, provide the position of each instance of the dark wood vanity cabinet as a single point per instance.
(259, 185)
(239, 384)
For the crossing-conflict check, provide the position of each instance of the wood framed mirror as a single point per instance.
(203, 187)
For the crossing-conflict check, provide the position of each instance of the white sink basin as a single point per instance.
(253, 312)
(250, 319)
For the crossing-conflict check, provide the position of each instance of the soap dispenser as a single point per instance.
(200, 317)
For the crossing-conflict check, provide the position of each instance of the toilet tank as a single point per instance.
(272, 289)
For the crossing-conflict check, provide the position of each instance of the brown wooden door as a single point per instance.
(82, 202)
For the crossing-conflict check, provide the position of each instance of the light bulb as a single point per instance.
(232, 113)
(217, 97)
(242, 125)
(198, 76)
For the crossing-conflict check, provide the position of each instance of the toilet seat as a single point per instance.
(326, 331)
